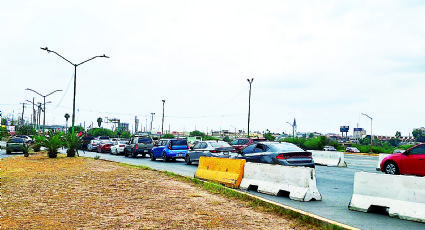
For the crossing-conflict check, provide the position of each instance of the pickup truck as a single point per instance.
(139, 145)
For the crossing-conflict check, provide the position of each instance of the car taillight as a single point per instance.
(136, 147)
(169, 145)
(214, 151)
(121, 145)
(234, 151)
(280, 157)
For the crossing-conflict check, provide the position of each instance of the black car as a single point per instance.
(282, 153)
(16, 145)
(139, 145)
(85, 141)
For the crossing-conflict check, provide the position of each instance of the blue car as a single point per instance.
(169, 149)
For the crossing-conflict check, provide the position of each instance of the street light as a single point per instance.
(162, 127)
(44, 104)
(151, 123)
(293, 130)
(371, 135)
(249, 101)
(75, 79)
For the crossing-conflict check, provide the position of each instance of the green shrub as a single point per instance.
(53, 142)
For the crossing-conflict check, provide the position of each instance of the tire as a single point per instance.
(391, 168)
(134, 154)
(8, 152)
(144, 155)
(125, 153)
(164, 157)
(187, 159)
(152, 157)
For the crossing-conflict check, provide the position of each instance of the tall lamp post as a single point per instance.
(151, 122)
(75, 79)
(162, 127)
(44, 103)
(249, 101)
(293, 130)
(371, 135)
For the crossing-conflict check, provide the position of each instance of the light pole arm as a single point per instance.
(53, 92)
(34, 91)
(51, 51)
(92, 59)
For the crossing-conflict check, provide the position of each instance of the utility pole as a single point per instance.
(249, 101)
(151, 122)
(23, 110)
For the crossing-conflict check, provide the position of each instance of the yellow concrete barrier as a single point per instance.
(221, 170)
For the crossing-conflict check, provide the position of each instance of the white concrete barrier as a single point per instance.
(402, 196)
(381, 157)
(329, 158)
(3, 144)
(299, 182)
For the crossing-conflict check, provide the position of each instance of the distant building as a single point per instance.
(359, 133)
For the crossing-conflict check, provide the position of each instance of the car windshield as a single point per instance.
(145, 140)
(122, 142)
(179, 142)
(286, 147)
(220, 144)
(103, 138)
(16, 140)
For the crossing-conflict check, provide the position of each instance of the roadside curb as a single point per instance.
(363, 154)
(319, 218)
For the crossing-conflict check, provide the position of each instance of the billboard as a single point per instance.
(358, 129)
(344, 129)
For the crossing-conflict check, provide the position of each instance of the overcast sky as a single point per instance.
(321, 62)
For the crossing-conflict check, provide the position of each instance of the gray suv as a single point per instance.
(139, 145)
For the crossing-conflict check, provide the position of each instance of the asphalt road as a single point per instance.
(335, 185)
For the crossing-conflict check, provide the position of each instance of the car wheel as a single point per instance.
(134, 154)
(8, 152)
(391, 168)
(187, 159)
(152, 157)
(164, 157)
(144, 155)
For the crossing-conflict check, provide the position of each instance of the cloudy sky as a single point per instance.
(321, 62)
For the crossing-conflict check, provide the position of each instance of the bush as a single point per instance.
(53, 142)
(168, 136)
(73, 143)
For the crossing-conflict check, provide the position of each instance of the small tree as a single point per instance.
(72, 142)
(168, 135)
(53, 142)
(197, 133)
(99, 121)
(269, 137)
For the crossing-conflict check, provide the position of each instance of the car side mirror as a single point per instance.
(406, 153)
(191, 148)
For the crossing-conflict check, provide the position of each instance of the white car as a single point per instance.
(118, 147)
(329, 148)
(92, 146)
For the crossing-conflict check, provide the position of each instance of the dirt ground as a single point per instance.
(81, 193)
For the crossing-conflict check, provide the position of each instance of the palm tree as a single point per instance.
(66, 117)
(99, 121)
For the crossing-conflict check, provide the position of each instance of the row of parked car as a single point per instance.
(253, 150)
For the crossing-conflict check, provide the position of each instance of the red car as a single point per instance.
(240, 143)
(104, 146)
(412, 162)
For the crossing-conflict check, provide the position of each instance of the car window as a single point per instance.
(264, 148)
(179, 142)
(204, 145)
(197, 146)
(419, 150)
(286, 147)
(234, 142)
(219, 144)
(145, 140)
(249, 149)
(16, 140)
(243, 142)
